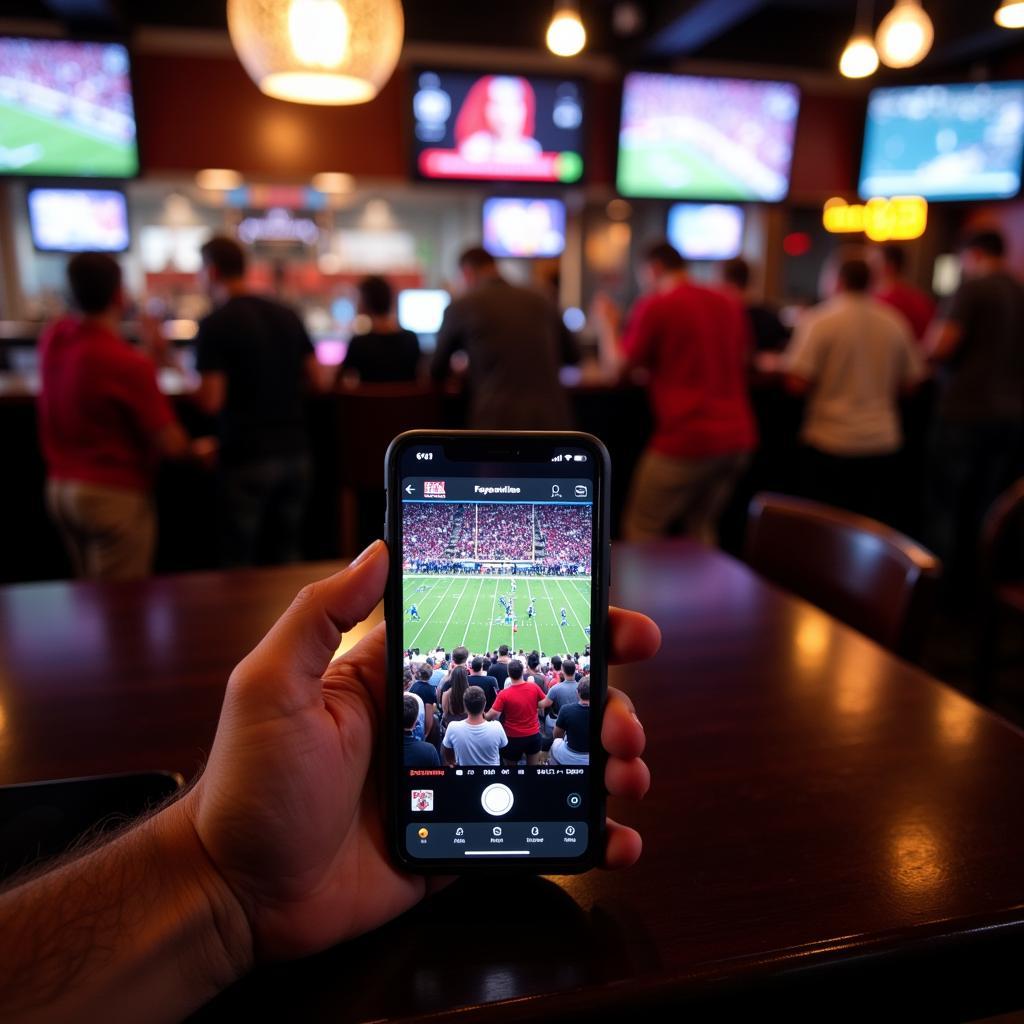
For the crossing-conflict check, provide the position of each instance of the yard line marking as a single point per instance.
(571, 608)
(441, 640)
(426, 618)
(472, 612)
(490, 618)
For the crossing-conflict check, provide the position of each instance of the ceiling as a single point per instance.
(801, 34)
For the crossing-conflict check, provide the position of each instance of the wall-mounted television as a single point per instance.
(530, 228)
(66, 109)
(706, 231)
(689, 137)
(78, 219)
(421, 310)
(495, 127)
(944, 142)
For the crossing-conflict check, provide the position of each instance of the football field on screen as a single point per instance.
(465, 610)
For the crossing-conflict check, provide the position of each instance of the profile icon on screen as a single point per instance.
(496, 122)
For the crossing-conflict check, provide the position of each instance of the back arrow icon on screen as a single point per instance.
(408, 489)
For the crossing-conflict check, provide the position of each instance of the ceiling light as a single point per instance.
(333, 182)
(1010, 14)
(219, 179)
(566, 34)
(905, 35)
(859, 59)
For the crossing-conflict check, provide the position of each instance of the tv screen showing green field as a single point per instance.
(714, 139)
(66, 109)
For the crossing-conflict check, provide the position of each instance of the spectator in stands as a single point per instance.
(555, 674)
(419, 731)
(421, 688)
(509, 333)
(561, 694)
(499, 668)
(572, 729)
(453, 703)
(767, 330)
(256, 362)
(385, 352)
(459, 658)
(103, 426)
(417, 753)
(893, 288)
(476, 740)
(478, 676)
(519, 702)
(852, 356)
(533, 672)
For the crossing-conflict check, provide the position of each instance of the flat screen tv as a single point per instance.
(471, 126)
(531, 228)
(706, 231)
(421, 310)
(689, 137)
(66, 109)
(944, 142)
(78, 219)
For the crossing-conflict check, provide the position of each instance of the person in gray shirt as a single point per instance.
(561, 694)
(509, 334)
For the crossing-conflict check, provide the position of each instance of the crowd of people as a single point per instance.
(566, 532)
(499, 707)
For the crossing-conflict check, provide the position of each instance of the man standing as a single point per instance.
(509, 334)
(895, 290)
(103, 426)
(978, 343)
(519, 701)
(767, 330)
(499, 668)
(487, 683)
(257, 362)
(695, 343)
(416, 753)
(571, 743)
(475, 740)
(851, 356)
(561, 694)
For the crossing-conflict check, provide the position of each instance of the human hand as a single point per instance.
(288, 809)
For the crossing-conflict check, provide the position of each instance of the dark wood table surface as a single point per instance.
(825, 821)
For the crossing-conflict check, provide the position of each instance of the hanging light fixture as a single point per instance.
(1010, 14)
(328, 52)
(566, 34)
(905, 35)
(859, 58)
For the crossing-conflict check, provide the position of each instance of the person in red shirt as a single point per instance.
(696, 344)
(520, 701)
(894, 290)
(103, 426)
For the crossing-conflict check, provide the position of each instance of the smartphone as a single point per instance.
(496, 609)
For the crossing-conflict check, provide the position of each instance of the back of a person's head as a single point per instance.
(569, 668)
(459, 655)
(476, 258)
(225, 256)
(410, 710)
(988, 242)
(556, 662)
(894, 257)
(583, 688)
(533, 660)
(515, 669)
(477, 664)
(664, 255)
(375, 295)
(474, 700)
(503, 651)
(854, 275)
(426, 672)
(736, 272)
(95, 281)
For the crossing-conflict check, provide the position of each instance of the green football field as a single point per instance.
(30, 144)
(458, 610)
(670, 170)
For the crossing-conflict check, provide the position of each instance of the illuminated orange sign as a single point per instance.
(882, 220)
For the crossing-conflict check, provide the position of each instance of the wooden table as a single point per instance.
(825, 823)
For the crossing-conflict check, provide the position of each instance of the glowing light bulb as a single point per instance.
(905, 35)
(859, 59)
(566, 34)
(1010, 14)
(318, 31)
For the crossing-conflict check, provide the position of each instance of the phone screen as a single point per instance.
(499, 715)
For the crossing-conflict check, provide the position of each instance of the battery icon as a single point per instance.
(580, 458)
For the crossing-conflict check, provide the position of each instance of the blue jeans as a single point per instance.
(262, 507)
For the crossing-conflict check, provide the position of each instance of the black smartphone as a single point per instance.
(497, 609)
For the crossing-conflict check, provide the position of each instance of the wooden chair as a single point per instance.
(1000, 582)
(867, 575)
(368, 418)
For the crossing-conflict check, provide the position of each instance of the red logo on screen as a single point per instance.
(433, 488)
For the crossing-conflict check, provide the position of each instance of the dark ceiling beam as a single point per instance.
(702, 22)
(100, 13)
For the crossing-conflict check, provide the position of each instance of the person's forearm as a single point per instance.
(141, 928)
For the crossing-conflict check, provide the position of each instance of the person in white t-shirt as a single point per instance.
(474, 741)
(852, 356)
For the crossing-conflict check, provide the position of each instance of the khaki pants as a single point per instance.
(109, 532)
(669, 493)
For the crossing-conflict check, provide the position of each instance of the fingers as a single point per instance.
(622, 735)
(634, 637)
(623, 846)
(302, 642)
(628, 779)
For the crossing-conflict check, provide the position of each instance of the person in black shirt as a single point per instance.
(416, 753)
(499, 669)
(256, 363)
(571, 743)
(386, 352)
(770, 335)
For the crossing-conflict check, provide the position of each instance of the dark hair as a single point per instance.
(737, 272)
(503, 651)
(460, 654)
(583, 688)
(894, 256)
(989, 241)
(95, 280)
(476, 258)
(375, 295)
(425, 672)
(225, 255)
(665, 254)
(477, 664)
(569, 667)
(515, 669)
(533, 660)
(854, 275)
(487, 663)
(457, 692)
(474, 700)
(410, 711)
(556, 662)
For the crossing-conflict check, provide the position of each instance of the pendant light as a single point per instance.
(905, 35)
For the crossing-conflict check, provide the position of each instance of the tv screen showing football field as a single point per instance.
(66, 109)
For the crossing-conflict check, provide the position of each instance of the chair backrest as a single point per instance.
(1001, 545)
(867, 575)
